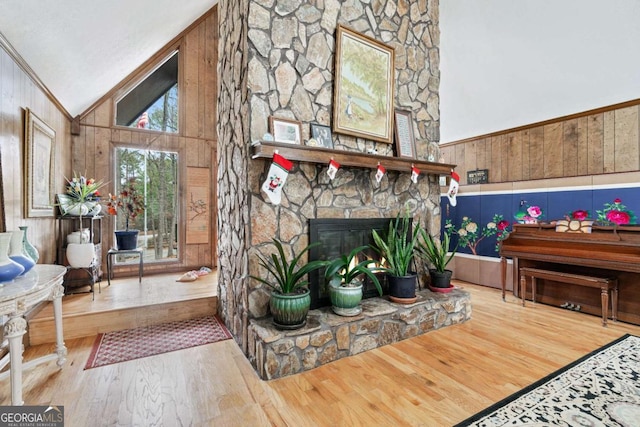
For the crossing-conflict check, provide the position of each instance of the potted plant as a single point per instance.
(290, 298)
(345, 277)
(81, 198)
(438, 255)
(397, 247)
(130, 202)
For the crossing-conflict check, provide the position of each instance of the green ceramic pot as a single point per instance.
(289, 311)
(345, 300)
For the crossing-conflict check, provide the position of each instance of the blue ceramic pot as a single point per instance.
(9, 269)
(17, 253)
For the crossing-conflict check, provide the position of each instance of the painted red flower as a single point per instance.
(580, 214)
(502, 225)
(618, 217)
(617, 201)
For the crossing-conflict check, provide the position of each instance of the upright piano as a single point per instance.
(611, 251)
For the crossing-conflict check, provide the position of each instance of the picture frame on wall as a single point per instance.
(285, 130)
(39, 155)
(322, 135)
(403, 130)
(363, 86)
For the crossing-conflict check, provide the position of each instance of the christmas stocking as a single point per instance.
(333, 168)
(453, 188)
(276, 178)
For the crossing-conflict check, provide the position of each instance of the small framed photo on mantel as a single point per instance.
(322, 135)
(403, 129)
(285, 130)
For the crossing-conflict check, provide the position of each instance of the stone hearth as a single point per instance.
(328, 337)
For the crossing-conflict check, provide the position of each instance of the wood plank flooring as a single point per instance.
(128, 304)
(436, 379)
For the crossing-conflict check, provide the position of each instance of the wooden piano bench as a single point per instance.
(605, 284)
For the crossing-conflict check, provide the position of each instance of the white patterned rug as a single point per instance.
(120, 346)
(601, 389)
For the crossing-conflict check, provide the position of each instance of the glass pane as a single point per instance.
(152, 104)
(155, 175)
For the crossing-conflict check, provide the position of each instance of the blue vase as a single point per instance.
(31, 250)
(16, 251)
(9, 269)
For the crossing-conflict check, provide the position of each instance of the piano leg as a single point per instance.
(614, 301)
(503, 265)
(605, 304)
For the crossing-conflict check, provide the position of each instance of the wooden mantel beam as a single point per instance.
(301, 153)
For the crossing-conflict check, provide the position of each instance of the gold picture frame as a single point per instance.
(39, 155)
(363, 86)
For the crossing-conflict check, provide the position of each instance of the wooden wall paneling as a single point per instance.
(202, 72)
(102, 157)
(190, 80)
(470, 158)
(513, 143)
(496, 158)
(553, 160)
(481, 155)
(595, 141)
(570, 148)
(626, 140)
(462, 168)
(211, 77)
(536, 153)
(103, 114)
(583, 147)
(609, 142)
(525, 164)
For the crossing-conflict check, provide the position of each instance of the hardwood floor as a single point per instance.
(128, 304)
(436, 379)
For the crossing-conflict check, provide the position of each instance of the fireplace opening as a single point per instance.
(339, 236)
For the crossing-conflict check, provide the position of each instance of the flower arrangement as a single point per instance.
(528, 214)
(616, 213)
(81, 189)
(469, 234)
(129, 201)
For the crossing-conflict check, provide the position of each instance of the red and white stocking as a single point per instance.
(453, 188)
(333, 168)
(415, 173)
(278, 173)
(380, 173)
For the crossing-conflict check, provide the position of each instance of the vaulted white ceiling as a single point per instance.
(81, 49)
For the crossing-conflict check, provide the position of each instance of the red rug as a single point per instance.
(120, 346)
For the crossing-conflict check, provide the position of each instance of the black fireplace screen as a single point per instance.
(339, 236)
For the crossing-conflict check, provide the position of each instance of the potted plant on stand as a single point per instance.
(345, 277)
(81, 198)
(397, 247)
(130, 202)
(290, 298)
(438, 256)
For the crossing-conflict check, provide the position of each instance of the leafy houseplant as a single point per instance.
(290, 299)
(344, 275)
(130, 202)
(438, 255)
(397, 247)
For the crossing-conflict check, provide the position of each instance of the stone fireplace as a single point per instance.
(276, 59)
(339, 236)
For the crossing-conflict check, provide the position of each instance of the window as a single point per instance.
(156, 172)
(153, 103)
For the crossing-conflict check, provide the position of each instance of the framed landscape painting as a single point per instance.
(363, 87)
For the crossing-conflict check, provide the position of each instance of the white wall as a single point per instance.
(507, 63)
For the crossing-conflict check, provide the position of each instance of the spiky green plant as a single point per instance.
(397, 245)
(437, 254)
(289, 277)
(342, 270)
